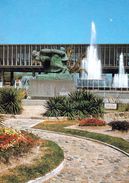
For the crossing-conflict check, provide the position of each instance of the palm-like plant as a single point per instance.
(67, 109)
(81, 95)
(53, 106)
(87, 103)
(10, 100)
(78, 104)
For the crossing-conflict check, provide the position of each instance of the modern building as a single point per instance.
(18, 57)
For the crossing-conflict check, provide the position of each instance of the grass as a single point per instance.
(123, 107)
(47, 162)
(58, 126)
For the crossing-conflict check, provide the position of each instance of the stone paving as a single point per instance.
(85, 161)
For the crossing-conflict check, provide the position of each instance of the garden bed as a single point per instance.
(107, 130)
(24, 157)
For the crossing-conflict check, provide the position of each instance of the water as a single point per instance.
(120, 80)
(84, 66)
(92, 64)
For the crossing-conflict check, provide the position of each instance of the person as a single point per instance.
(18, 83)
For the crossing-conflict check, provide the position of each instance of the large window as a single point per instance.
(102, 56)
(1, 55)
(10, 53)
(112, 56)
(127, 55)
(5, 54)
(107, 59)
(14, 55)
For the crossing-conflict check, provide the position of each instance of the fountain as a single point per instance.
(121, 79)
(84, 68)
(92, 64)
(91, 75)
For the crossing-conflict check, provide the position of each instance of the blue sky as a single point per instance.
(63, 21)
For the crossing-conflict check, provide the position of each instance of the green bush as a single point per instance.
(87, 102)
(78, 104)
(119, 125)
(53, 106)
(10, 100)
(123, 107)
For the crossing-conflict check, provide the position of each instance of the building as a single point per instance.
(18, 57)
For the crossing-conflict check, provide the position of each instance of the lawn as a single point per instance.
(59, 126)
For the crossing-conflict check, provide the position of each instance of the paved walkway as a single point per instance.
(86, 161)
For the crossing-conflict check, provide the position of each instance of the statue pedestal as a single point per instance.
(50, 88)
(55, 76)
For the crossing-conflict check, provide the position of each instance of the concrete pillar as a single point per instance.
(33, 73)
(1, 78)
(12, 78)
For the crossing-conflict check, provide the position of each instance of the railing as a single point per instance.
(97, 84)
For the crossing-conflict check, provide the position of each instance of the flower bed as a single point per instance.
(91, 122)
(24, 156)
(14, 143)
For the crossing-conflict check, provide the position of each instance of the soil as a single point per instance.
(111, 116)
(25, 159)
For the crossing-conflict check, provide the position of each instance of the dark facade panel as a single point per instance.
(20, 55)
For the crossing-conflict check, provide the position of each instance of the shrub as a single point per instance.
(91, 122)
(10, 100)
(53, 106)
(78, 104)
(87, 103)
(119, 125)
(123, 107)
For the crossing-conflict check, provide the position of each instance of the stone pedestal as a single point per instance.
(50, 88)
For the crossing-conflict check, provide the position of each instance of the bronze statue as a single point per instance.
(57, 63)
(53, 60)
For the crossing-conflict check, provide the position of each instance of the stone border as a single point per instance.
(104, 143)
(49, 174)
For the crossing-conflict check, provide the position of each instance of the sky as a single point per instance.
(63, 21)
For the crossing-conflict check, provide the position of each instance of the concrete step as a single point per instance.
(33, 102)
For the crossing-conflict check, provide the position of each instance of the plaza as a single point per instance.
(64, 91)
(85, 160)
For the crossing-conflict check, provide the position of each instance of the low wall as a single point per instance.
(120, 96)
(33, 102)
(50, 88)
(43, 89)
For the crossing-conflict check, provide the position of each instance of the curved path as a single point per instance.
(89, 162)
(85, 161)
